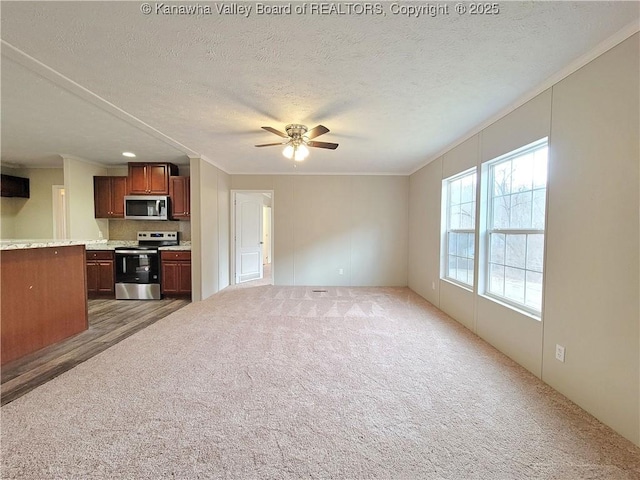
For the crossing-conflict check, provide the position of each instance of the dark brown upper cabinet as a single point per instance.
(150, 178)
(180, 192)
(108, 196)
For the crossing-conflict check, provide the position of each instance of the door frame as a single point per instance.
(268, 208)
(59, 212)
(232, 232)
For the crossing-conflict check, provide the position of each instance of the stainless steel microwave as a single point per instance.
(146, 207)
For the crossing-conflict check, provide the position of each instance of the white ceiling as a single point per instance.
(94, 79)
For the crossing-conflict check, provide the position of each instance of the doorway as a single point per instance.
(59, 212)
(252, 236)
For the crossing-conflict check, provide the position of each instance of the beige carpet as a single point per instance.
(282, 382)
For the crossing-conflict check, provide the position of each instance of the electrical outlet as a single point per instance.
(433, 285)
(341, 271)
(560, 353)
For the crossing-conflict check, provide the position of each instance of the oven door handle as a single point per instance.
(137, 252)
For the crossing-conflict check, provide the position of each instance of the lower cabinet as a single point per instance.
(176, 272)
(100, 273)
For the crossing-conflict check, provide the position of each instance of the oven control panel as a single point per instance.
(157, 236)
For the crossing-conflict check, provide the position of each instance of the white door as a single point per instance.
(248, 237)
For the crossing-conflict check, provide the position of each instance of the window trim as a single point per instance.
(446, 230)
(488, 172)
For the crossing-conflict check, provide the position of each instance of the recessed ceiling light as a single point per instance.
(128, 154)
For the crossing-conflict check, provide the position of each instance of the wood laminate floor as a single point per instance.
(110, 321)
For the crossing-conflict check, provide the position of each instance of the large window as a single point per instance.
(460, 199)
(517, 185)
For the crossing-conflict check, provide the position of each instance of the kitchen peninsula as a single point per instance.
(44, 294)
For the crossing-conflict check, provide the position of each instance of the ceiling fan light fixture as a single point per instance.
(297, 152)
(301, 153)
(288, 151)
(297, 147)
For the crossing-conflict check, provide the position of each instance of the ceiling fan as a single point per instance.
(298, 139)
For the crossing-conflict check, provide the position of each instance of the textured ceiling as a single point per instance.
(93, 79)
(42, 121)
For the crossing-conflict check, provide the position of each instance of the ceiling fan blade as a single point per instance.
(330, 146)
(317, 131)
(271, 144)
(277, 132)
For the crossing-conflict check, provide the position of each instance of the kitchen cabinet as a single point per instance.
(180, 193)
(11, 186)
(100, 273)
(108, 196)
(150, 178)
(176, 272)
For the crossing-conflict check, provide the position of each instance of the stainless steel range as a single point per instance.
(138, 267)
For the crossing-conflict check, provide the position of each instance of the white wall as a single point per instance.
(326, 223)
(379, 230)
(204, 229)
(78, 183)
(121, 171)
(209, 229)
(592, 285)
(224, 199)
(31, 218)
(9, 209)
(424, 231)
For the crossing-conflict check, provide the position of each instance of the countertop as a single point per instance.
(111, 244)
(183, 246)
(89, 244)
(43, 243)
